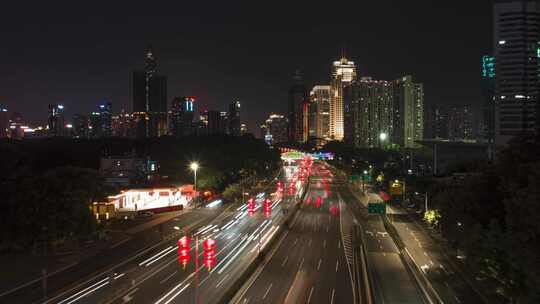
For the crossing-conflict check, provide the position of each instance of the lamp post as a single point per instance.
(194, 166)
(364, 181)
(382, 137)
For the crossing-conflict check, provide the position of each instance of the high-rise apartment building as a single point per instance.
(319, 125)
(149, 99)
(460, 123)
(488, 92)
(4, 123)
(123, 125)
(181, 116)
(234, 119)
(408, 118)
(436, 122)
(368, 106)
(55, 121)
(105, 113)
(343, 73)
(516, 33)
(80, 126)
(298, 97)
(274, 129)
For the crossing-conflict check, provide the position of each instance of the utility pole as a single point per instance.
(426, 202)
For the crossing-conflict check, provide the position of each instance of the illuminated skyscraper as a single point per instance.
(234, 119)
(56, 120)
(319, 126)
(343, 73)
(516, 47)
(149, 98)
(368, 110)
(488, 90)
(105, 113)
(274, 129)
(297, 99)
(4, 123)
(408, 118)
(80, 126)
(182, 114)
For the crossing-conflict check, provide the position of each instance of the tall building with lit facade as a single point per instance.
(274, 129)
(234, 119)
(488, 105)
(320, 108)
(408, 118)
(181, 116)
(55, 121)
(105, 113)
(436, 122)
(123, 125)
(460, 123)
(343, 73)
(80, 126)
(4, 123)
(368, 116)
(298, 97)
(149, 94)
(516, 33)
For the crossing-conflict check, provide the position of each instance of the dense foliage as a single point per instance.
(46, 185)
(493, 216)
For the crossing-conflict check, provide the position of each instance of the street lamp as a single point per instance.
(194, 166)
(383, 136)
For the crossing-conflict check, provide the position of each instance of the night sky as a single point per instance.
(80, 54)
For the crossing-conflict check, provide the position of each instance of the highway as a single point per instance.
(391, 281)
(157, 276)
(310, 265)
(80, 275)
(450, 286)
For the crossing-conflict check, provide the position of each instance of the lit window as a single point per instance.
(501, 42)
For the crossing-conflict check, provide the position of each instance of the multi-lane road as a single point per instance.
(310, 265)
(157, 276)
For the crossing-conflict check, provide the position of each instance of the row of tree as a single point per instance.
(46, 185)
(492, 215)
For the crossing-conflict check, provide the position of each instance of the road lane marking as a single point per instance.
(309, 243)
(267, 291)
(176, 294)
(337, 265)
(168, 277)
(285, 261)
(339, 244)
(295, 241)
(310, 294)
(332, 297)
(319, 265)
(324, 244)
(223, 280)
(82, 291)
(129, 296)
(301, 263)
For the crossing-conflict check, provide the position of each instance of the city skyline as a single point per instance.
(193, 70)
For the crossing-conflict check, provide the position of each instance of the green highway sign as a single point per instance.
(354, 178)
(376, 208)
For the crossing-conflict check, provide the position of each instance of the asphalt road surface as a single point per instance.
(310, 265)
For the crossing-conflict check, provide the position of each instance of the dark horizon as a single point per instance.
(83, 55)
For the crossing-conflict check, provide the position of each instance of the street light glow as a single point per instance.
(383, 136)
(194, 166)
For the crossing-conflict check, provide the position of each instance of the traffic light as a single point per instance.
(267, 207)
(209, 247)
(251, 206)
(183, 251)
